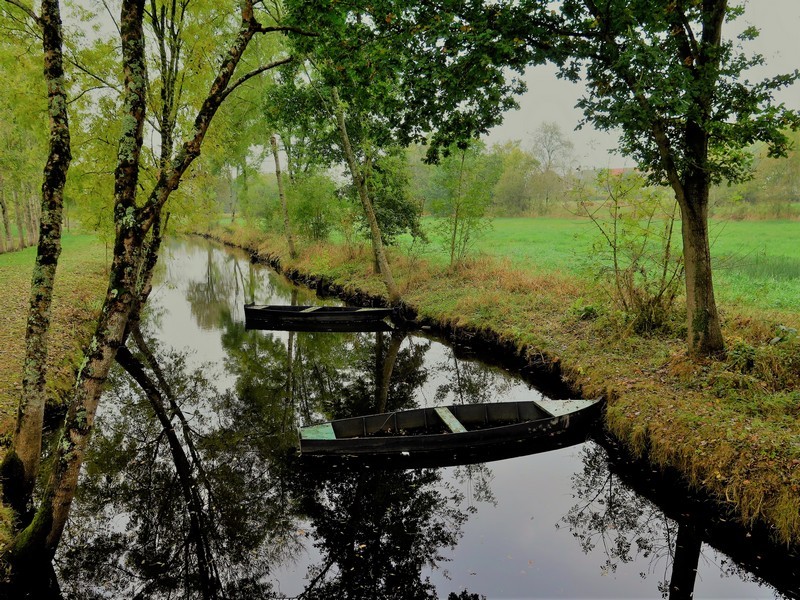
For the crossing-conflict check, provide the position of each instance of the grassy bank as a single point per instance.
(80, 283)
(731, 426)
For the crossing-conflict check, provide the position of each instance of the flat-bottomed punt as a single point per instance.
(275, 315)
(515, 427)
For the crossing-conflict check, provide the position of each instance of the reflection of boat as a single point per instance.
(462, 431)
(258, 316)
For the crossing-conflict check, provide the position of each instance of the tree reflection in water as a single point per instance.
(617, 517)
(136, 533)
(376, 531)
(196, 493)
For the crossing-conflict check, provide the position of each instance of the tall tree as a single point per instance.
(513, 190)
(662, 73)
(287, 229)
(407, 73)
(357, 172)
(554, 153)
(467, 177)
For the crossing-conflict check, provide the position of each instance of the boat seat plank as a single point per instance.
(450, 420)
(323, 431)
(310, 309)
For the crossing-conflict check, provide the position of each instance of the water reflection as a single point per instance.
(376, 533)
(195, 490)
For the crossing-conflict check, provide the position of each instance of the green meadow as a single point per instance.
(757, 262)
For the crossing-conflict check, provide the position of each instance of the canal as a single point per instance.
(233, 512)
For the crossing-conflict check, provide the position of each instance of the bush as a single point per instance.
(635, 248)
(313, 205)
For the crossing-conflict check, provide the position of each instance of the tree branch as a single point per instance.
(247, 76)
(26, 9)
(282, 29)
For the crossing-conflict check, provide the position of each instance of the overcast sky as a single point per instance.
(551, 99)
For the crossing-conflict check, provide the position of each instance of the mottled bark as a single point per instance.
(44, 533)
(27, 442)
(361, 185)
(273, 142)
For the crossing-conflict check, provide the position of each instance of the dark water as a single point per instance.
(239, 516)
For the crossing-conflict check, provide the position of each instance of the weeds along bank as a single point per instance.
(731, 426)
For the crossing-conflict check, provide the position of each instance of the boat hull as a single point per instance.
(308, 315)
(535, 430)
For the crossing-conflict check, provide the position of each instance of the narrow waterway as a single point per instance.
(241, 516)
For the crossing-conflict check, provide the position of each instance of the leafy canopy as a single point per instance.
(660, 72)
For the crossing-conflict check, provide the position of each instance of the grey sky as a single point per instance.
(551, 99)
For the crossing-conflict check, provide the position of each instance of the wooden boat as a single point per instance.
(311, 326)
(464, 432)
(320, 315)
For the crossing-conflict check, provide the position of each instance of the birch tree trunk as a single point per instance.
(361, 185)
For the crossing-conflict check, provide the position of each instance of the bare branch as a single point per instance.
(247, 76)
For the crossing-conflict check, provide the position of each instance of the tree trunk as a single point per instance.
(703, 327)
(273, 141)
(361, 186)
(44, 533)
(18, 210)
(27, 442)
(30, 219)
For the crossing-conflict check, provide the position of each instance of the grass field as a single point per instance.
(757, 262)
(80, 283)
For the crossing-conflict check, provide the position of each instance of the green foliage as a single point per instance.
(314, 206)
(389, 186)
(772, 192)
(636, 248)
(514, 187)
(465, 178)
(23, 136)
(439, 68)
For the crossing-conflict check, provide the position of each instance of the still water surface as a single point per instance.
(239, 516)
